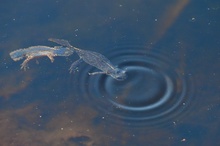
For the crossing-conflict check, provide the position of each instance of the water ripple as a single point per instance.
(152, 93)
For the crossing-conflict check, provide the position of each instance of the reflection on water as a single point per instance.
(158, 90)
(152, 93)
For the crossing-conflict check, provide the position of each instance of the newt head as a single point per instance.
(118, 74)
(17, 55)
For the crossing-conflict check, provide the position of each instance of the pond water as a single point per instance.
(169, 50)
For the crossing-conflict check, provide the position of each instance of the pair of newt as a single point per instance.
(92, 58)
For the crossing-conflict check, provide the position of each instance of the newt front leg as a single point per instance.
(24, 64)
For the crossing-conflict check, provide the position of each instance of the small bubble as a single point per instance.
(193, 19)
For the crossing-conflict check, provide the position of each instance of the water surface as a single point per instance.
(169, 49)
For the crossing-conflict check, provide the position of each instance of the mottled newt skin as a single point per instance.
(39, 51)
(94, 59)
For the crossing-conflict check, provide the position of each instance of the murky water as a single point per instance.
(169, 49)
(154, 91)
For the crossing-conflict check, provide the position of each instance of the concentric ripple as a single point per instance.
(155, 90)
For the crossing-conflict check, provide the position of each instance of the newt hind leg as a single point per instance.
(50, 56)
(75, 64)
